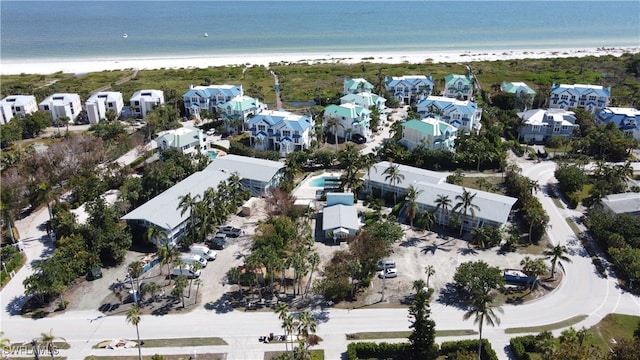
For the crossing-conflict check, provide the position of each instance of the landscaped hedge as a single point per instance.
(13, 260)
(521, 346)
(369, 350)
(450, 348)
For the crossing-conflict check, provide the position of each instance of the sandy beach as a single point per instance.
(80, 66)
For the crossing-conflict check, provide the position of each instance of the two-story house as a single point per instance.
(524, 94)
(186, 139)
(62, 104)
(237, 111)
(357, 85)
(588, 97)
(458, 87)
(409, 89)
(626, 119)
(464, 115)
(366, 100)
(539, 124)
(431, 133)
(99, 103)
(143, 101)
(281, 131)
(17, 105)
(349, 119)
(199, 98)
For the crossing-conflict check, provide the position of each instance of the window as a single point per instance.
(296, 133)
(565, 127)
(286, 133)
(564, 97)
(261, 127)
(46, 107)
(136, 103)
(556, 129)
(592, 98)
(555, 102)
(296, 140)
(194, 99)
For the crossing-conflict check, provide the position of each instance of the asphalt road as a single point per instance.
(583, 292)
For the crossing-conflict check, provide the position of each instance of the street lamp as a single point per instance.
(384, 279)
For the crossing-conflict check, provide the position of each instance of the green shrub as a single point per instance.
(449, 348)
(521, 346)
(369, 350)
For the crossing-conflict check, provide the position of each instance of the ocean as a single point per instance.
(47, 30)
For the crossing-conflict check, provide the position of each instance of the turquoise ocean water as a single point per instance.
(94, 29)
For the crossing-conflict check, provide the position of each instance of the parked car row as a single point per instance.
(387, 268)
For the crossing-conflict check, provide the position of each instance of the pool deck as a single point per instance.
(308, 192)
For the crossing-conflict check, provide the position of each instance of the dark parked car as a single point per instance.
(217, 244)
(231, 231)
(358, 139)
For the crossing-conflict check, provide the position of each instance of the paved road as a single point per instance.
(582, 293)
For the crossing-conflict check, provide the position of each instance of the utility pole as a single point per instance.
(384, 278)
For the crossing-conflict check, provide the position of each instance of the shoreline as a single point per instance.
(81, 66)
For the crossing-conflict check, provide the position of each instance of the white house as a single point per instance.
(624, 203)
(199, 98)
(588, 97)
(340, 217)
(143, 101)
(281, 131)
(431, 133)
(62, 104)
(626, 119)
(351, 119)
(99, 103)
(366, 100)
(463, 114)
(186, 139)
(409, 89)
(17, 105)
(357, 85)
(539, 124)
(238, 110)
(493, 209)
(257, 175)
(458, 87)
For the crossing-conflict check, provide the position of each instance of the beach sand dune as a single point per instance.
(77, 66)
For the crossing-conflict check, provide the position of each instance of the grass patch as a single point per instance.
(181, 342)
(554, 326)
(557, 202)
(166, 357)
(404, 334)
(492, 184)
(573, 226)
(613, 326)
(316, 354)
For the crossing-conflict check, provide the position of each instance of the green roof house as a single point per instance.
(358, 85)
(431, 133)
(458, 87)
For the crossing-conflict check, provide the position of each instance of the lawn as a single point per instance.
(538, 329)
(404, 334)
(181, 342)
(613, 326)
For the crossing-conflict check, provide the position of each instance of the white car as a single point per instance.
(389, 273)
(211, 132)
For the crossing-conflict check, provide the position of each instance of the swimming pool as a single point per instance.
(319, 182)
(212, 154)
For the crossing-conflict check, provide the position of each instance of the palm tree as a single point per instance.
(425, 220)
(465, 204)
(289, 325)
(314, 260)
(411, 207)
(151, 288)
(536, 216)
(133, 317)
(443, 203)
(35, 344)
(334, 123)
(187, 203)
(306, 325)
(47, 339)
(430, 270)
(136, 269)
(393, 176)
(482, 309)
(367, 162)
(555, 253)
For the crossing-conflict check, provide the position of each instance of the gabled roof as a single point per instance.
(453, 78)
(347, 110)
(363, 99)
(622, 117)
(411, 174)
(226, 90)
(492, 206)
(429, 126)
(280, 119)
(246, 167)
(180, 137)
(622, 203)
(357, 83)
(337, 216)
(408, 80)
(162, 210)
(542, 116)
(240, 103)
(581, 89)
(517, 88)
(448, 104)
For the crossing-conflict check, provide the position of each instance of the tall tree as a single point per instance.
(482, 309)
(394, 177)
(188, 203)
(465, 205)
(411, 203)
(533, 269)
(133, 317)
(443, 203)
(554, 253)
(430, 270)
(423, 335)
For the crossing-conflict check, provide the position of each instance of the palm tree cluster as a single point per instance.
(213, 209)
(523, 189)
(304, 325)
